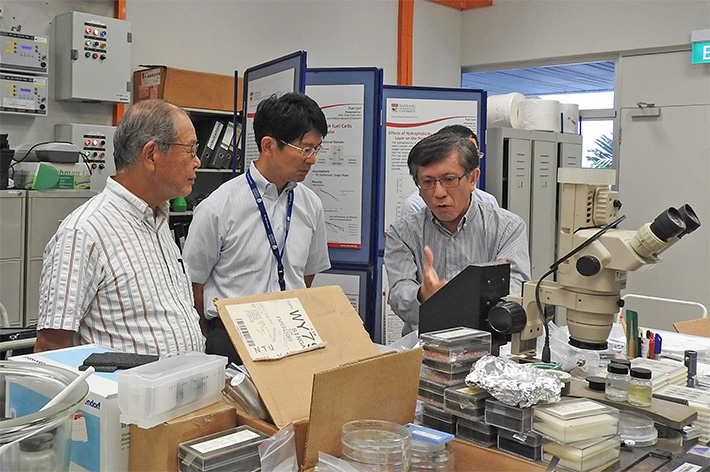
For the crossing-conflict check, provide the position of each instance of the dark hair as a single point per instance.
(439, 146)
(150, 120)
(459, 130)
(288, 118)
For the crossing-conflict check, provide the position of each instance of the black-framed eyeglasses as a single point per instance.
(449, 181)
(305, 152)
(193, 146)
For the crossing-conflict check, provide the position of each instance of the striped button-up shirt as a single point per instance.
(485, 234)
(113, 274)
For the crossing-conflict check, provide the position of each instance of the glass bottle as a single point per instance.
(37, 454)
(639, 391)
(617, 381)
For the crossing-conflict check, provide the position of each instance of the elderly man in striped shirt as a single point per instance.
(112, 274)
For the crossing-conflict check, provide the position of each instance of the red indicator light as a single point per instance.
(87, 142)
(95, 55)
(88, 30)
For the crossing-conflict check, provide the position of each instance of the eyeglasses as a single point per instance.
(447, 182)
(305, 152)
(193, 146)
(481, 154)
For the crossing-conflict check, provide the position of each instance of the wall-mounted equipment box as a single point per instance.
(23, 95)
(95, 143)
(23, 53)
(93, 58)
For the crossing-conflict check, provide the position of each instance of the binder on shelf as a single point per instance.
(222, 156)
(208, 132)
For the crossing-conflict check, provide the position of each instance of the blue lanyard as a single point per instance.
(269, 231)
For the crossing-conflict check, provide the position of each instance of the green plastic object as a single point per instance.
(178, 204)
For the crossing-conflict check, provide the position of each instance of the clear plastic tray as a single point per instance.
(426, 460)
(235, 449)
(455, 341)
(585, 455)
(428, 396)
(575, 420)
(169, 387)
(467, 402)
(433, 386)
(508, 417)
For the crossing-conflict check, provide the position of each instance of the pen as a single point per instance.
(181, 264)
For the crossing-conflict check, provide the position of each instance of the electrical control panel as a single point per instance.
(95, 143)
(93, 58)
(23, 53)
(23, 95)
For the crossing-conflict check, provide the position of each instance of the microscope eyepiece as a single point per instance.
(691, 220)
(668, 224)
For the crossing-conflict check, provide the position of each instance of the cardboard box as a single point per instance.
(44, 175)
(322, 389)
(186, 88)
(107, 444)
(698, 327)
(157, 448)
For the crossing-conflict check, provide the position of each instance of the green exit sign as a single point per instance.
(701, 53)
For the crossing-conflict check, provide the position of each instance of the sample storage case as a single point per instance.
(575, 420)
(431, 392)
(456, 345)
(233, 450)
(466, 402)
(476, 431)
(527, 445)
(170, 387)
(508, 417)
(437, 418)
(584, 455)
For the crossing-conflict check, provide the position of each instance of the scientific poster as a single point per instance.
(258, 90)
(407, 122)
(337, 175)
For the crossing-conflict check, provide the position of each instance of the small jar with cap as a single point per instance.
(639, 390)
(37, 454)
(617, 381)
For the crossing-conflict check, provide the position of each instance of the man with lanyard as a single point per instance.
(261, 232)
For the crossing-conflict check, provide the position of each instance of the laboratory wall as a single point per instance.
(436, 45)
(545, 31)
(34, 17)
(663, 160)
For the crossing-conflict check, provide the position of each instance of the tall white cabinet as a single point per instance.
(28, 219)
(521, 171)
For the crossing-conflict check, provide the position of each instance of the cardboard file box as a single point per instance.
(43, 176)
(320, 390)
(156, 448)
(107, 440)
(186, 88)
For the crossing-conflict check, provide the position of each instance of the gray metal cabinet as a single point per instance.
(12, 254)
(521, 171)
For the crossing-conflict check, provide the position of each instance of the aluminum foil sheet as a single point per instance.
(514, 384)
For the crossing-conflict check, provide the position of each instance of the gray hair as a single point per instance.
(150, 120)
(437, 147)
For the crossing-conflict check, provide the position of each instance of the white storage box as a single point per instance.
(170, 387)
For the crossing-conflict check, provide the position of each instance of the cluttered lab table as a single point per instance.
(136, 420)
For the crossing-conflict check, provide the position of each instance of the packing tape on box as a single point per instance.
(538, 114)
(570, 117)
(503, 110)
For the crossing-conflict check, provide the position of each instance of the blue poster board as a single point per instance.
(371, 80)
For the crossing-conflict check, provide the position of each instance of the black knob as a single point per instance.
(507, 318)
(588, 266)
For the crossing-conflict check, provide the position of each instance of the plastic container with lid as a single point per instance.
(431, 450)
(456, 343)
(170, 387)
(574, 420)
(438, 418)
(637, 428)
(597, 453)
(382, 446)
(508, 417)
(528, 445)
(640, 387)
(467, 402)
(233, 450)
(617, 382)
(476, 431)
